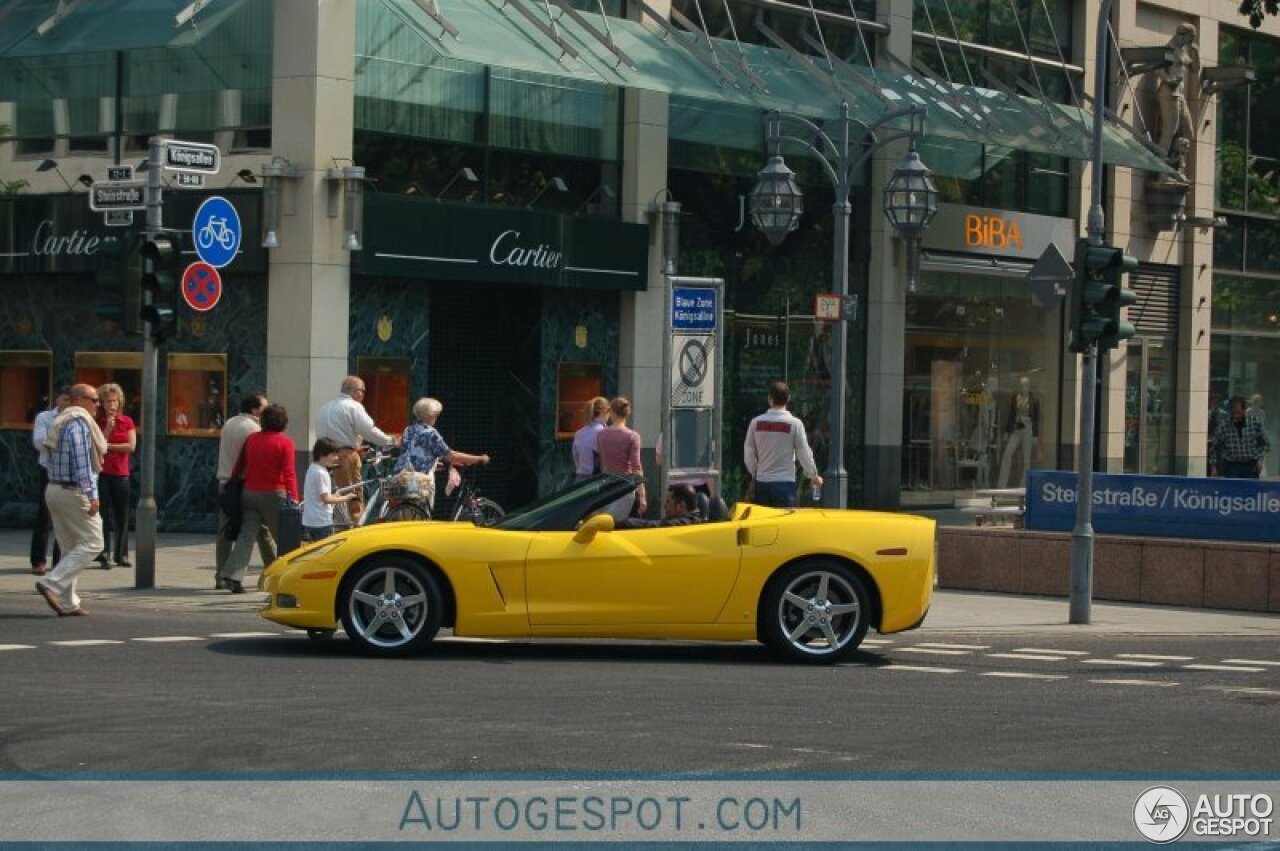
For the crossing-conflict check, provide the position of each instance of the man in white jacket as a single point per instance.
(775, 441)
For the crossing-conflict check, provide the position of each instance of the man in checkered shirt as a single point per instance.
(1238, 444)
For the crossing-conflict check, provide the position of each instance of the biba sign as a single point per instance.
(994, 232)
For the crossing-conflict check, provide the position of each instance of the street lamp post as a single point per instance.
(776, 203)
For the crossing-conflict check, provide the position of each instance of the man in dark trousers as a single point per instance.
(1239, 444)
(775, 441)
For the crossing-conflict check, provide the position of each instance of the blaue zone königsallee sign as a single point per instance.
(410, 237)
(1159, 506)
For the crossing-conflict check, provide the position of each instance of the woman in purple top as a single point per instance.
(619, 448)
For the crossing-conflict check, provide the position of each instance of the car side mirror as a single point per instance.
(592, 526)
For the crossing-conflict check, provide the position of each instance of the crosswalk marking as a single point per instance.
(165, 638)
(922, 668)
(1249, 662)
(1034, 657)
(1128, 663)
(244, 634)
(1224, 668)
(1154, 657)
(1241, 690)
(934, 650)
(954, 646)
(1047, 650)
(1023, 675)
(85, 642)
(1153, 683)
(17, 647)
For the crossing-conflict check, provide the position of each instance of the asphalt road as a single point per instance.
(200, 689)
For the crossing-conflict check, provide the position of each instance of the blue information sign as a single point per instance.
(693, 309)
(1159, 506)
(216, 231)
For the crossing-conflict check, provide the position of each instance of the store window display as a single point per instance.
(1021, 430)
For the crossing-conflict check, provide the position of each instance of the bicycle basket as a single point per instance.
(407, 485)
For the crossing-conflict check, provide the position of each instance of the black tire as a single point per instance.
(391, 606)
(827, 595)
(320, 634)
(407, 511)
(481, 512)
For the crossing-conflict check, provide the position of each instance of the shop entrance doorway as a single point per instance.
(1149, 407)
(485, 354)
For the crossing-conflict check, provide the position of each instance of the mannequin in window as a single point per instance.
(1021, 429)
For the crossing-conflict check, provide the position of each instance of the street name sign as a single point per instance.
(192, 156)
(118, 195)
(1050, 277)
(119, 172)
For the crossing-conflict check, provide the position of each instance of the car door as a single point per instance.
(674, 574)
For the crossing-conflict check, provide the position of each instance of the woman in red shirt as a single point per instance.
(267, 465)
(619, 448)
(113, 480)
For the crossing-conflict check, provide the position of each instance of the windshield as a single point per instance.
(571, 502)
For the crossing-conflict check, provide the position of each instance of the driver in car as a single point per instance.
(680, 508)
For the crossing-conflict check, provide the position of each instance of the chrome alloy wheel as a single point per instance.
(388, 607)
(819, 612)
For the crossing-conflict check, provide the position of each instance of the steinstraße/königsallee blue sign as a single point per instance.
(1159, 506)
(693, 309)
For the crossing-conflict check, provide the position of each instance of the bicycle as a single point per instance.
(216, 229)
(386, 498)
(470, 505)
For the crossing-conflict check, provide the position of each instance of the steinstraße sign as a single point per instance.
(1159, 506)
(117, 195)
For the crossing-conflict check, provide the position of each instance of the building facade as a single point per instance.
(503, 250)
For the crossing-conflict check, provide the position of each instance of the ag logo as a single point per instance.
(1161, 814)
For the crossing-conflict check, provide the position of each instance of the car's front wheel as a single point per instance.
(815, 611)
(392, 606)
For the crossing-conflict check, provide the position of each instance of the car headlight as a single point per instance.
(322, 550)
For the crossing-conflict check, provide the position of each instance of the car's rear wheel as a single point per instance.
(815, 611)
(392, 606)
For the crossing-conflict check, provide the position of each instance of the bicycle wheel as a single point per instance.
(341, 517)
(407, 510)
(481, 511)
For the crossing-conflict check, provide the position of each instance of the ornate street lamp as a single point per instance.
(776, 203)
(910, 203)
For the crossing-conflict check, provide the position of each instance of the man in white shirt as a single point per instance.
(230, 441)
(586, 459)
(775, 440)
(44, 524)
(345, 421)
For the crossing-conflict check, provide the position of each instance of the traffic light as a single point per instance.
(1098, 295)
(160, 287)
(118, 279)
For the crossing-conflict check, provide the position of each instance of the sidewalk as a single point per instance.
(184, 577)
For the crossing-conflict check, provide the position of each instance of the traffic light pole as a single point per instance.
(1082, 534)
(145, 573)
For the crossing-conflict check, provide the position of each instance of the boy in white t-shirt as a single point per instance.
(318, 498)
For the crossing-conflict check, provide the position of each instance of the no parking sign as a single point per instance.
(201, 286)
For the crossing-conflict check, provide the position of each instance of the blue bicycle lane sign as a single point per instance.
(216, 231)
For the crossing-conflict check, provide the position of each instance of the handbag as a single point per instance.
(229, 500)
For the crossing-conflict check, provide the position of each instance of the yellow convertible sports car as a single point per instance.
(806, 582)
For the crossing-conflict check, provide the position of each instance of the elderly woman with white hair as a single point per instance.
(422, 447)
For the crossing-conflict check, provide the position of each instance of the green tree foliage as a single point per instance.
(1256, 10)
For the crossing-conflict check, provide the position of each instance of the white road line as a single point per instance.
(88, 642)
(1154, 657)
(1049, 650)
(933, 651)
(1033, 657)
(921, 668)
(245, 634)
(1023, 675)
(160, 638)
(954, 646)
(1130, 663)
(17, 647)
(876, 641)
(1224, 668)
(469, 640)
(1249, 662)
(1155, 683)
(1241, 690)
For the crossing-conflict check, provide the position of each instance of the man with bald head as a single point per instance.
(76, 449)
(345, 421)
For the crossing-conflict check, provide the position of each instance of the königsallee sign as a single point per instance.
(1159, 506)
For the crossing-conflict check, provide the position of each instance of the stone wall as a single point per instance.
(1208, 574)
